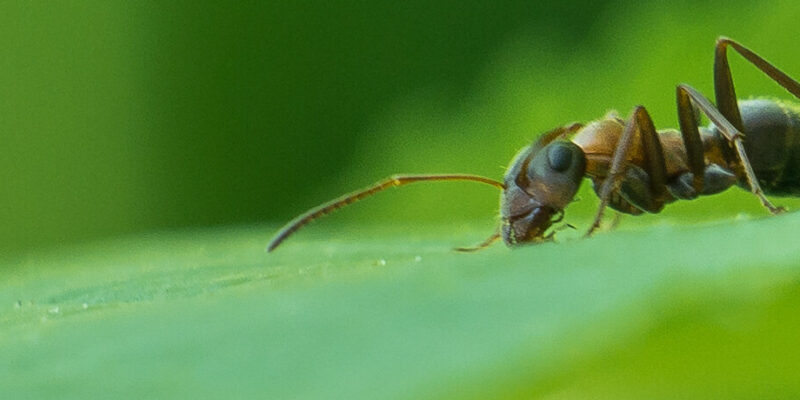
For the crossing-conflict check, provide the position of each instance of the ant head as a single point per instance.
(541, 182)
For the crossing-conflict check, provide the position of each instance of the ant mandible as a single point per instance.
(635, 168)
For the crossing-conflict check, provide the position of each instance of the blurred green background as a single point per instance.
(121, 117)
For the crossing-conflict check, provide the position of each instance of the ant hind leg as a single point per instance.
(723, 83)
(734, 135)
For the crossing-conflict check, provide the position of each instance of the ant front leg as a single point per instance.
(555, 134)
(647, 183)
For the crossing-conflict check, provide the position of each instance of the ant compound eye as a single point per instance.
(554, 174)
(559, 157)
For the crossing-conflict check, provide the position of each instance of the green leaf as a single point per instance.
(659, 312)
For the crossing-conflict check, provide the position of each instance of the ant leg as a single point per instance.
(705, 179)
(557, 133)
(480, 246)
(691, 139)
(655, 166)
(731, 133)
(723, 83)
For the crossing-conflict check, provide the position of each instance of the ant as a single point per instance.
(633, 167)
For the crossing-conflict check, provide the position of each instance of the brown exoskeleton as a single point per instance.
(633, 167)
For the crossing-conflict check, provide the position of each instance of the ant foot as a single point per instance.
(777, 210)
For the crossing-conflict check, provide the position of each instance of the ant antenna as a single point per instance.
(480, 246)
(392, 181)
